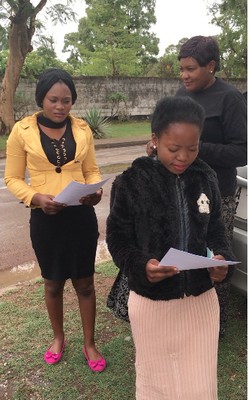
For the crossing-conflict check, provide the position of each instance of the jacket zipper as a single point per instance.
(183, 236)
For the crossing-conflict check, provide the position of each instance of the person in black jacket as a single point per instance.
(223, 142)
(158, 203)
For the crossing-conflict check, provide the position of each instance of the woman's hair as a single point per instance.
(203, 49)
(48, 78)
(176, 109)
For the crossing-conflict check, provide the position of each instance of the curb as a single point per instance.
(109, 144)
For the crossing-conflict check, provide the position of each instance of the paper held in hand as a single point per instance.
(183, 260)
(75, 190)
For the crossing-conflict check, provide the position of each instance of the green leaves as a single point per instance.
(112, 33)
(98, 124)
(231, 17)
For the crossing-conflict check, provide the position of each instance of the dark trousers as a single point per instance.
(223, 288)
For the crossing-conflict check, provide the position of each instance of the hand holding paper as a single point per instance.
(75, 190)
(184, 261)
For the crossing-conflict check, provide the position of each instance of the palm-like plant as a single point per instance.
(98, 124)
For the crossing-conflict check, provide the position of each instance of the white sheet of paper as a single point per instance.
(71, 194)
(183, 260)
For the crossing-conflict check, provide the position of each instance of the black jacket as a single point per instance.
(153, 210)
(224, 137)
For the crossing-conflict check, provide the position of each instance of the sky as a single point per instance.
(176, 19)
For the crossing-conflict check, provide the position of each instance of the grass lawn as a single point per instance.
(129, 129)
(25, 335)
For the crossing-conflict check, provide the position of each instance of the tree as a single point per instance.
(22, 21)
(114, 38)
(231, 17)
(41, 58)
(168, 64)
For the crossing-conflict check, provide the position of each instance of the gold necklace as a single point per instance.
(61, 153)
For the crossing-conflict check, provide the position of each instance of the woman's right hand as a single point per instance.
(47, 204)
(156, 273)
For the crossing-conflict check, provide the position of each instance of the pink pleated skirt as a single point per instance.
(176, 344)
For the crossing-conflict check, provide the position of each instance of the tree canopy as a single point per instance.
(114, 38)
(231, 17)
(19, 22)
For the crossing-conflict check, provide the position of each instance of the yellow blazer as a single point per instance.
(25, 153)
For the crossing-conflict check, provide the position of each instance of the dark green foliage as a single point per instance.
(98, 124)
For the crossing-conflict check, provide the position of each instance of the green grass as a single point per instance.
(25, 334)
(232, 372)
(129, 129)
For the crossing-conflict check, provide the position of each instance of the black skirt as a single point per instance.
(65, 244)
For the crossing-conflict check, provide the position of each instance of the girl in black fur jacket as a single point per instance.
(171, 201)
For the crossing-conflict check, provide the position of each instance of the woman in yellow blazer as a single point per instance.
(56, 148)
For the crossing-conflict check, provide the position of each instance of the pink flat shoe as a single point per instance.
(54, 358)
(95, 365)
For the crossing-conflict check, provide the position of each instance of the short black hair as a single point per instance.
(203, 49)
(173, 109)
(48, 78)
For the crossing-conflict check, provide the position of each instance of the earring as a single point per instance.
(154, 146)
(211, 72)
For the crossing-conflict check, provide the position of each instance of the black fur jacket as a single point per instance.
(153, 210)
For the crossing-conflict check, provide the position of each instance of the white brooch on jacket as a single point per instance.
(203, 203)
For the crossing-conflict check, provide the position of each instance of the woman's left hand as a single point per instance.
(92, 199)
(218, 274)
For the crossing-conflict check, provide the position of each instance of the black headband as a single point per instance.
(48, 78)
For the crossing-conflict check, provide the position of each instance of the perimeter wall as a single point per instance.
(93, 92)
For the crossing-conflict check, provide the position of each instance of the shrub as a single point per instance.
(98, 124)
(116, 109)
